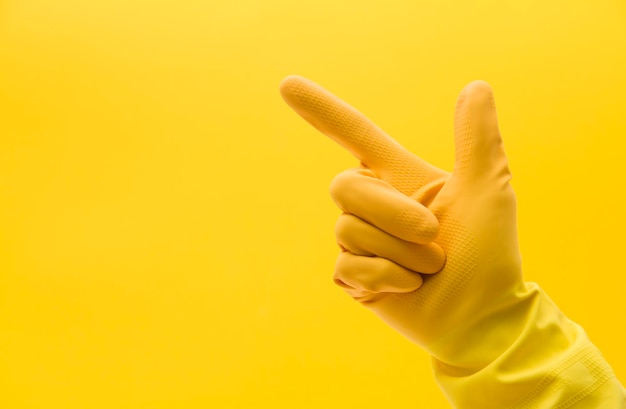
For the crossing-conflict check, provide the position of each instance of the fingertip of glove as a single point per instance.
(290, 86)
(478, 86)
(431, 228)
(476, 92)
(438, 261)
(422, 227)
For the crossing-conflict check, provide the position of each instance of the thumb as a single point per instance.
(480, 152)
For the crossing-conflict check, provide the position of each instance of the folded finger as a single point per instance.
(361, 275)
(359, 192)
(361, 238)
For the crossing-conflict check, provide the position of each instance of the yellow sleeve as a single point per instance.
(552, 364)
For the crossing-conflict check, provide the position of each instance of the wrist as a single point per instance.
(550, 359)
(475, 341)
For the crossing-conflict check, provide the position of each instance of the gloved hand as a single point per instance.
(388, 227)
(496, 341)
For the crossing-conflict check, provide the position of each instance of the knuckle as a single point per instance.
(342, 227)
(343, 184)
(339, 275)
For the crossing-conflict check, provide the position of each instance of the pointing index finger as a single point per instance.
(342, 123)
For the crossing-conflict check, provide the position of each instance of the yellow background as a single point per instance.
(166, 236)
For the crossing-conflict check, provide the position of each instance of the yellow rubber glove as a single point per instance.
(496, 341)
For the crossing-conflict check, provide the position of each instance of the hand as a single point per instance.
(396, 204)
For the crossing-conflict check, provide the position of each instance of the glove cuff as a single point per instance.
(551, 364)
